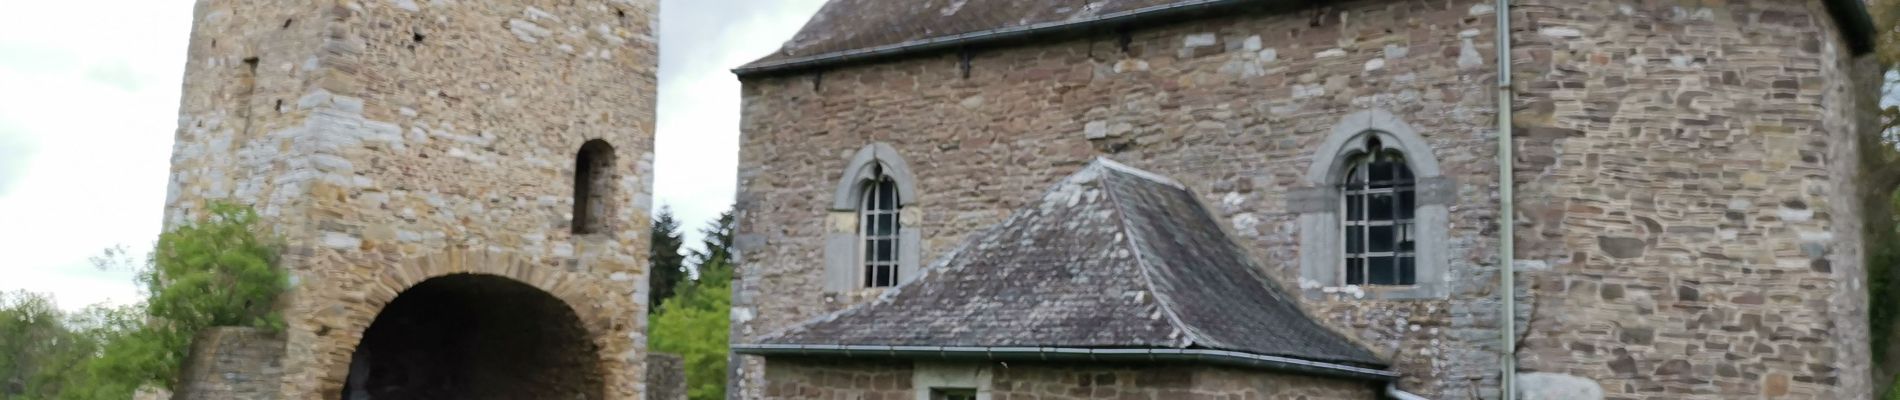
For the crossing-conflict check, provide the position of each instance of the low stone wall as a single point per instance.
(666, 377)
(232, 363)
(831, 378)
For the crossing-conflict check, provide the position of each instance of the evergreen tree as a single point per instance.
(1880, 191)
(666, 266)
(696, 322)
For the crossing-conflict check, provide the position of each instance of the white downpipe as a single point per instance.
(1392, 391)
(1507, 276)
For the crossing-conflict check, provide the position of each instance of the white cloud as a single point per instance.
(698, 139)
(88, 107)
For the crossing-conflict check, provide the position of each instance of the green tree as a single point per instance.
(695, 323)
(217, 272)
(664, 259)
(1880, 191)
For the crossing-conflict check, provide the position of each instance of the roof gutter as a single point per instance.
(1223, 357)
(1135, 16)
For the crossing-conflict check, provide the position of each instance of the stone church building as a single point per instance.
(1266, 199)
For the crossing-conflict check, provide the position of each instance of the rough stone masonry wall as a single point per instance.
(820, 378)
(666, 377)
(1232, 106)
(1686, 177)
(392, 141)
(232, 364)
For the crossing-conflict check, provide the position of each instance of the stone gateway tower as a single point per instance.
(462, 187)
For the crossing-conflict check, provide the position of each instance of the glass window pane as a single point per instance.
(1355, 271)
(1406, 204)
(887, 195)
(1381, 271)
(1355, 239)
(1406, 238)
(870, 276)
(886, 224)
(1356, 207)
(1381, 239)
(1379, 206)
(1408, 271)
(1380, 174)
(892, 275)
(870, 251)
(1404, 172)
(1354, 178)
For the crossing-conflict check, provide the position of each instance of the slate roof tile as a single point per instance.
(1111, 257)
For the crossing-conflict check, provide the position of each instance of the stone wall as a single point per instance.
(389, 142)
(1234, 107)
(1685, 172)
(232, 364)
(666, 377)
(818, 378)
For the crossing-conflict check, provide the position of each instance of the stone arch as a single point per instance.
(1319, 201)
(1348, 138)
(863, 167)
(478, 288)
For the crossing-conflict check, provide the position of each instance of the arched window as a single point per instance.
(878, 227)
(1379, 196)
(869, 242)
(1374, 213)
(593, 186)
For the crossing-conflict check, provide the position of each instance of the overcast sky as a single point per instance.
(89, 103)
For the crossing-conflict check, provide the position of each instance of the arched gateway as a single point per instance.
(469, 336)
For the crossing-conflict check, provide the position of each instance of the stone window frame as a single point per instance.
(843, 252)
(1322, 253)
(928, 377)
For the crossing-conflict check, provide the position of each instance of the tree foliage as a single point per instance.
(216, 272)
(664, 259)
(695, 323)
(1881, 196)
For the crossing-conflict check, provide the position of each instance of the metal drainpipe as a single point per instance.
(1507, 277)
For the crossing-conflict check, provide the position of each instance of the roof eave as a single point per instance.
(1139, 16)
(1857, 27)
(1005, 353)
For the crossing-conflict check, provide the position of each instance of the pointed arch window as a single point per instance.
(879, 223)
(875, 239)
(1379, 196)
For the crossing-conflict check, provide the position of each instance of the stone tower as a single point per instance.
(461, 186)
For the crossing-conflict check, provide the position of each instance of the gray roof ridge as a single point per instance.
(1163, 301)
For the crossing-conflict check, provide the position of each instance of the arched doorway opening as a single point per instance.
(474, 337)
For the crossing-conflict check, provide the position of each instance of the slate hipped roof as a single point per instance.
(1112, 258)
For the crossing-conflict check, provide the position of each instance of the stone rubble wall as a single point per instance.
(1232, 106)
(819, 378)
(232, 364)
(1685, 175)
(666, 377)
(391, 141)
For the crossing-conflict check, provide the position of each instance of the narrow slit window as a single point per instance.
(592, 186)
(1379, 198)
(878, 226)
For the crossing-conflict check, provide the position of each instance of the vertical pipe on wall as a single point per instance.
(1507, 270)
